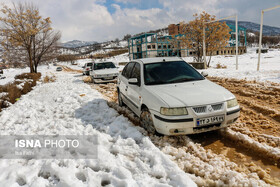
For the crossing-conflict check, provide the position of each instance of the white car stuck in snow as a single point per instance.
(104, 72)
(172, 98)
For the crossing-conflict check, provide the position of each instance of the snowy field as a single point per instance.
(70, 107)
(247, 66)
(12, 72)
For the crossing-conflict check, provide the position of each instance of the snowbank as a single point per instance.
(70, 107)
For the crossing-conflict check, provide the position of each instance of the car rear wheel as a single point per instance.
(146, 121)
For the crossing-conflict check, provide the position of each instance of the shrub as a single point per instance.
(22, 85)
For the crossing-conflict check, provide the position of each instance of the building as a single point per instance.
(149, 45)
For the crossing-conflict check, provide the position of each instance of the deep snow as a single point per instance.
(70, 107)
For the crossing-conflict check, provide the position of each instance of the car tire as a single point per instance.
(120, 101)
(146, 121)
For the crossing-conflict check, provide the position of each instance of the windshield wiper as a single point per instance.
(156, 82)
(182, 80)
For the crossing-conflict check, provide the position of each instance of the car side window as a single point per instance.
(136, 72)
(127, 69)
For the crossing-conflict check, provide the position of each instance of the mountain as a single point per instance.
(255, 27)
(77, 43)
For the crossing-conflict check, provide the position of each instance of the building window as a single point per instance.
(153, 46)
(159, 46)
(169, 46)
(164, 46)
(148, 46)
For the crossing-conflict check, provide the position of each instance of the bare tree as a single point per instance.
(26, 36)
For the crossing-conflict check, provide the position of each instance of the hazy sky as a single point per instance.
(103, 20)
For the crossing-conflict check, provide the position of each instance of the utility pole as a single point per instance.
(261, 30)
(236, 41)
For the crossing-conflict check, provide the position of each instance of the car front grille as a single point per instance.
(201, 109)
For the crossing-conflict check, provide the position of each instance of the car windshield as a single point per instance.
(104, 65)
(170, 72)
(89, 64)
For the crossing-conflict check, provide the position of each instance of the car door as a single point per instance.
(133, 91)
(123, 82)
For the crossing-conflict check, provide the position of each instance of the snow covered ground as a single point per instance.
(70, 107)
(12, 72)
(247, 66)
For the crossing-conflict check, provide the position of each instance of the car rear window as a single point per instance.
(105, 65)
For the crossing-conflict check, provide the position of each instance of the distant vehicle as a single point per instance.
(74, 63)
(1, 71)
(104, 72)
(87, 68)
(54, 64)
(59, 69)
(172, 98)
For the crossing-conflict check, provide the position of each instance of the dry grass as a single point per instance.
(48, 79)
(219, 66)
(22, 85)
(87, 79)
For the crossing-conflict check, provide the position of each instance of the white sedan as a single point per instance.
(104, 72)
(172, 98)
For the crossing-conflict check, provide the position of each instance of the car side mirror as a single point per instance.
(204, 74)
(133, 81)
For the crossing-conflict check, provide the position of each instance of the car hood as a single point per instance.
(106, 71)
(193, 93)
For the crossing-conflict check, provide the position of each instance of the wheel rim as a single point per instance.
(146, 122)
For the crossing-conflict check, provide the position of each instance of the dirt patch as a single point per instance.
(67, 69)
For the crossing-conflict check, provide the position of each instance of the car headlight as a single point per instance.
(173, 111)
(96, 76)
(232, 103)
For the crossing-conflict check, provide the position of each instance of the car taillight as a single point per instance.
(87, 69)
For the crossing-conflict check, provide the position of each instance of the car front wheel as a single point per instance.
(146, 121)
(120, 101)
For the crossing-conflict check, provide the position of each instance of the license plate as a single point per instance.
(210, 120)
(108, 78)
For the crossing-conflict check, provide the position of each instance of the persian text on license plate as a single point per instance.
(210, 120)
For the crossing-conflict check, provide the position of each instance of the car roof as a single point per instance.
(158, 59)
(102, 62)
